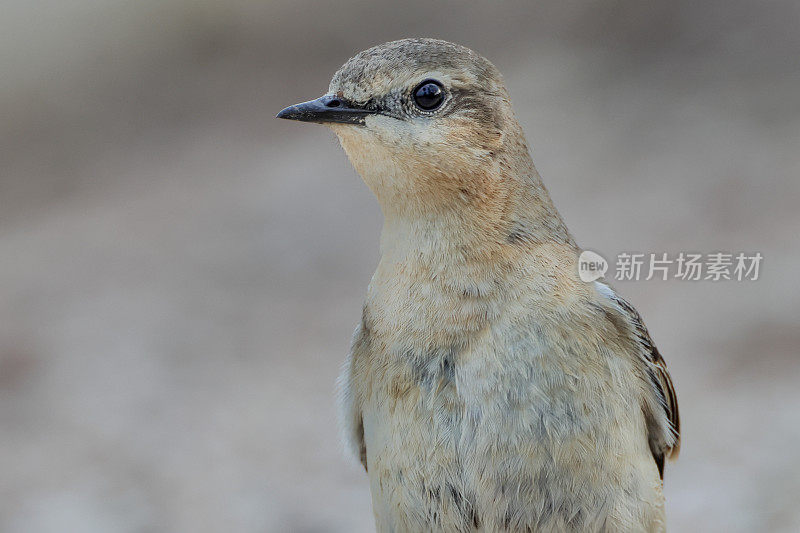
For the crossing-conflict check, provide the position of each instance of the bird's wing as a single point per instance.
(663, 421)
(350, 417)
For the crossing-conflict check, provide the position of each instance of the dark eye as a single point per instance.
(429, 95)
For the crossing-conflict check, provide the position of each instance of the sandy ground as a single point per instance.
(180, 273)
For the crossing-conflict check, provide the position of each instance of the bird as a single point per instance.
(488, 388)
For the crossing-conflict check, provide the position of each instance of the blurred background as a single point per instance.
(180, 273)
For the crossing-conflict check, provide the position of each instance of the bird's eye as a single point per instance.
(429, 95)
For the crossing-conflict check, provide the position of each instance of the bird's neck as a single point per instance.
(510, 215)
(445, 276)
(491, 247)
(476, 201)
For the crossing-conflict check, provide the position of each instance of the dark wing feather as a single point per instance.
(664, 442)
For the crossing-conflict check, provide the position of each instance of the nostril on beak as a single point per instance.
(335, 102)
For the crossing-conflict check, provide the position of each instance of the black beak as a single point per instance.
(328, 108)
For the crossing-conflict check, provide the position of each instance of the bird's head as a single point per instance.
(424, 120)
